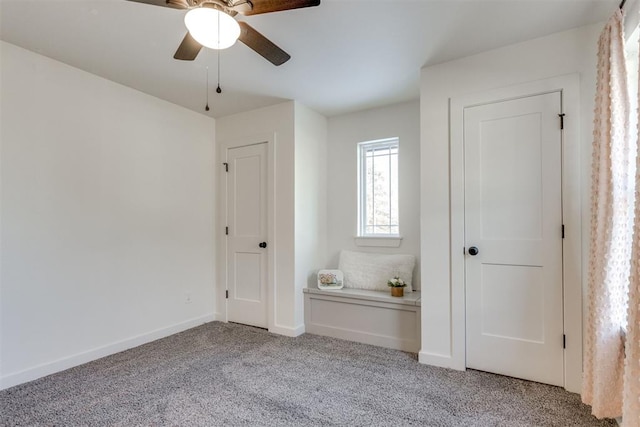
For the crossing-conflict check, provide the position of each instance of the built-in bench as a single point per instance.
(370, 317)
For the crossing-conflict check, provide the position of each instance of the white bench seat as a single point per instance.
(370, 317)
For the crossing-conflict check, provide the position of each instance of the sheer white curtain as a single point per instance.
(611, 231)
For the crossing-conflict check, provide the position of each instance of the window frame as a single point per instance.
(374, 239)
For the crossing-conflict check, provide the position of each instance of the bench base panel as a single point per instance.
(387, 324)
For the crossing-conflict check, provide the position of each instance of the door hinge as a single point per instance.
(226, 294)
(564, 341)
(561, 120)
(563, 231)
(226, 167)
(226, 231)
(464, 251)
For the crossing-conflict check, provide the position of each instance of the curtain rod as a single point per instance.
(622, 4)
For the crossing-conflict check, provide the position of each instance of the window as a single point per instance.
(625, 210)
(378, 188)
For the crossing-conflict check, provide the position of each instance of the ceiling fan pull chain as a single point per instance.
(206, 107)
(218, 90)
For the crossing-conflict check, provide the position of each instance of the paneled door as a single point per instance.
(247, 244)
(513, 238)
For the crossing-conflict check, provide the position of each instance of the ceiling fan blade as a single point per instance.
(188, 49)
(262, 45)
(175, 4)
(268, 6)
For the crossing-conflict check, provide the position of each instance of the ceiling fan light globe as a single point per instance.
(202, 23)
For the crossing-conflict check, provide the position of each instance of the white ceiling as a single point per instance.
(347, 55)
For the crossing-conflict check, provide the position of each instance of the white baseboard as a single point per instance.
(49, 368)
(287, 331)
(440, 361)
(219, 317)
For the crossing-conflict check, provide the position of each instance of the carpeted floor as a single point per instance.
(226, 374)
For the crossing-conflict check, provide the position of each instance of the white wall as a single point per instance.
(299, 136)
(310, 200)
(345, 132)
(107, 209)
(277, 123)
(558, 54)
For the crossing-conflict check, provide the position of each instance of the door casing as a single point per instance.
(568, 86)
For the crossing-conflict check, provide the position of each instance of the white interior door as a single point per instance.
(513, 217)
(247, 235)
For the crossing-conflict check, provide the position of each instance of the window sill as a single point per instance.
(379, 241)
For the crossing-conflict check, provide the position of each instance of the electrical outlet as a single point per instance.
(187, 297)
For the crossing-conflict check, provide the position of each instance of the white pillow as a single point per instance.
(372, 271)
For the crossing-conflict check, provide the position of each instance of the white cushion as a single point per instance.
(372, 271)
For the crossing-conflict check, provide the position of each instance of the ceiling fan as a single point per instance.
(225, 11)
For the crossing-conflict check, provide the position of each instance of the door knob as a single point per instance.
(473, 251)
(263, 245)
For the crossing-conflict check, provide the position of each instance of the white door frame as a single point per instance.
(221, 257)
(569, 86)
